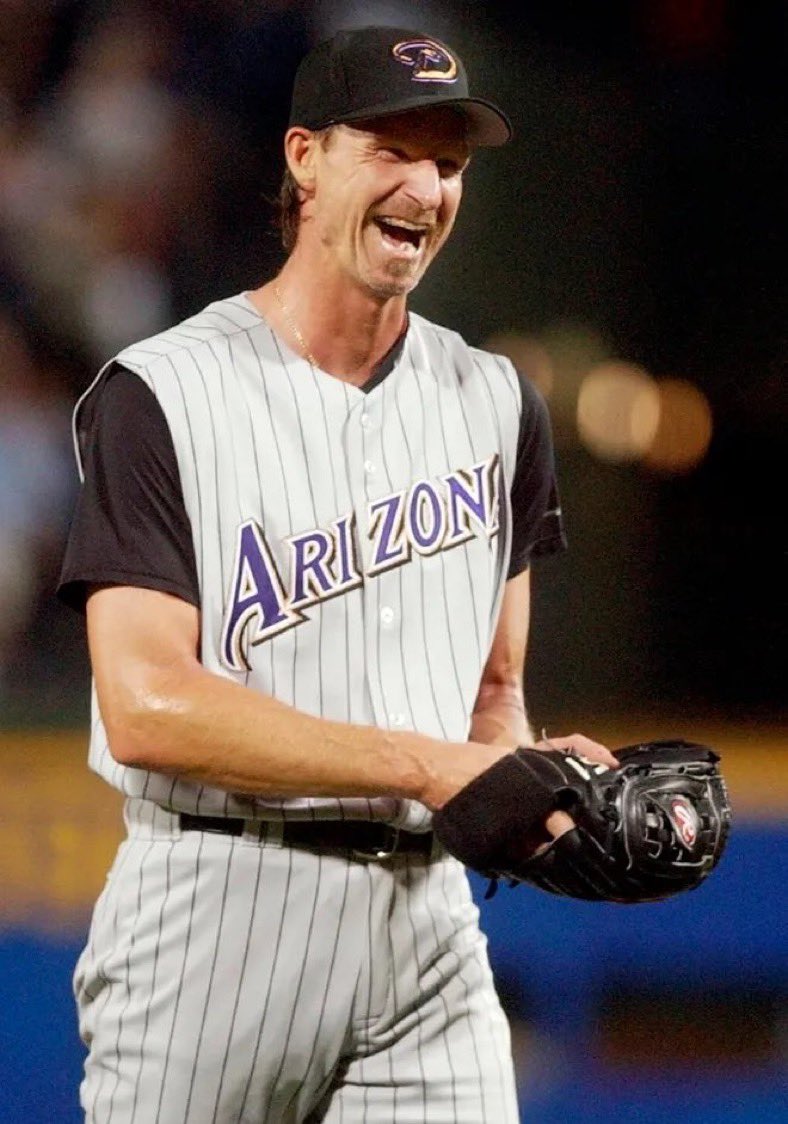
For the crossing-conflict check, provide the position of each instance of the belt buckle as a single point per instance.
(390, 837)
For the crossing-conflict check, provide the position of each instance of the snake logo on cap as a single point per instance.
(430, 61)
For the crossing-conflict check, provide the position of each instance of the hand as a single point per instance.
(558, 823)
(582, 747)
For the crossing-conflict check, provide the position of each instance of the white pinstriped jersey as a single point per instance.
(351, 547)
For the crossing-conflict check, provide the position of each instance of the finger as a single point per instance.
(583, 747)
(558, 823)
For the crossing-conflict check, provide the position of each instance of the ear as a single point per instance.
(300, 148)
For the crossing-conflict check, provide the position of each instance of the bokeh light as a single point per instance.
(684, 430)
(618, 411)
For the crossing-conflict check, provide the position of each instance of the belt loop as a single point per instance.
(267, 831)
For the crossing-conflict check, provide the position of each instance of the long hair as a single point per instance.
(290, 199)
(289, 203)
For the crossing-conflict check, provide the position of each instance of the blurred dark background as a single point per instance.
(637, 219)
(627, 250)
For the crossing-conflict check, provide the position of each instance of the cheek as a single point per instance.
(451, 203)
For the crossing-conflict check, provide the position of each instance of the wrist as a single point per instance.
(450, 766)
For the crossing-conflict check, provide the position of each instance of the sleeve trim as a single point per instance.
(72, 591)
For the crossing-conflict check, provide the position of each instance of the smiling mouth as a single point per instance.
(400, 235)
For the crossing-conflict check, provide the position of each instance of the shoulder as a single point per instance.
(474, 362)
(219, 320)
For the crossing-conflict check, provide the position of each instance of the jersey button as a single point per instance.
(369, 467)
(397, 719)
(387, 615)
(365, 421)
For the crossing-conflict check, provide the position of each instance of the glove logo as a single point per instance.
(685, 820)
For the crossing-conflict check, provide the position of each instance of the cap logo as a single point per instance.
(430, 61)
(685, 820)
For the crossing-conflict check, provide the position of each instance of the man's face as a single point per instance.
(386, 195)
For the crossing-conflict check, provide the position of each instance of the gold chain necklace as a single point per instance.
(294, 327)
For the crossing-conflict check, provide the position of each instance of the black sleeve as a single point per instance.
(537, 523)
(130, 525)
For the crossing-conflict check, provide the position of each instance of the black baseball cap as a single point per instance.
(378, 71)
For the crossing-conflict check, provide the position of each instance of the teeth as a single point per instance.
(403, 224)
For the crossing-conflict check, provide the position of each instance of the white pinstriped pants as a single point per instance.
(228, 981)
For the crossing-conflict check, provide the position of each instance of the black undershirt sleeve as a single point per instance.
(537, 524)
(130, 525)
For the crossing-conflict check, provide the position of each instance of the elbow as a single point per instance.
(128, 748)
(138, 720)
(130, 737)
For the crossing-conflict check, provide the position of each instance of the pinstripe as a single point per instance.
(449, 628)
(351, 716)
(472, 451)
(216, 469)
(441, 994)
(289, 381)
(455, 669)
(417, 963)
(491, 397)
(389, 478)
(466, 1008)
(102, 907)
(316, 1037)
(329, 446)
(264, 1013)
(438, 714)
(187, 418)
(100, 973)
(264, 384)
(483, 968)
(258, 473)
(396, 1006)
(211, 976)
(370, 956)
(179, 993)
(297, 997)
(510, 383)
(214, 442)
(221, 372)
(240, 986)
(154, 974)
(379, 636)
(125, 1007)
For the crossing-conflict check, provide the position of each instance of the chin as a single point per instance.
(387, 285)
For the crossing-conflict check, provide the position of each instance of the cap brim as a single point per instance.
(489, 126)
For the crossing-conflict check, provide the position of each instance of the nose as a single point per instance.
(423, 184)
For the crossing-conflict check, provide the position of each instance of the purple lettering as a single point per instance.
(311, 578)
(426, 518)
(389, 545)
(258, 598)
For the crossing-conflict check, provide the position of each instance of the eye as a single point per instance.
(393, 153)
(448, 168)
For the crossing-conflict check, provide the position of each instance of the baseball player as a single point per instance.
(302, 541)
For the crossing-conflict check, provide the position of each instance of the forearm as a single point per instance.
(500, 718)
(189, 722)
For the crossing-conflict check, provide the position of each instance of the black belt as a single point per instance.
(362, 838)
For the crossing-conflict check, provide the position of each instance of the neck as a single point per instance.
(345, 329)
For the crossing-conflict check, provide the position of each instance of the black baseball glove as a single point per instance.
(645, 831)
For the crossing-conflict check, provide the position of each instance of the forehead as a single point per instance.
(438, 125)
